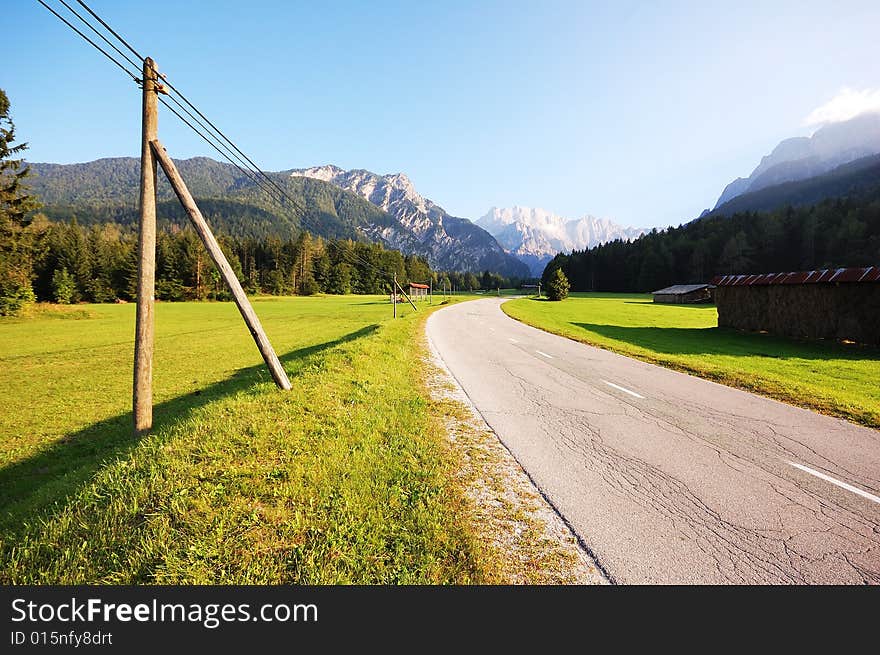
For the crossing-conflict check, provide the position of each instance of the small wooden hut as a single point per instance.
(418, 291)
(684, 294)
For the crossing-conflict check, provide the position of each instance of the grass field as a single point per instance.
(345, 479)
(837, 379)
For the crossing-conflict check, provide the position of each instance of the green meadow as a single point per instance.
(837, 379)
(345, 479)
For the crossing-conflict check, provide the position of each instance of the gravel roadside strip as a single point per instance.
(536, 545)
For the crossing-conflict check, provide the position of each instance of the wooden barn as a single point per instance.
(418, 291)
(684, 294)
(841, 303)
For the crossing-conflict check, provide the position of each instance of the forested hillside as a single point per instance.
(835, 232)
(98, 263)
(107, 190)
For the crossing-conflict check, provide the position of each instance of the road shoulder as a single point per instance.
(514, 519)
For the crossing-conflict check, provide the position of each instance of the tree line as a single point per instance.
(67, 262)
(833, 233)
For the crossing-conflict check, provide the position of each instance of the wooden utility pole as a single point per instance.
(431, 292)
(394, 295)
(142, 393)
(539, 288)
(226, 272)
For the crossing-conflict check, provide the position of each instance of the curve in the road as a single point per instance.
(667, 477)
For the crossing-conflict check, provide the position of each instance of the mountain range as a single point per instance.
(801, 158)
(856, 179)
(536, 235)
(838, 160)
(448, 242)
(327, 201)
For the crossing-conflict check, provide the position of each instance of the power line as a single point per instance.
(105, 39)
(247, 173)
(222, 136)
(254, 175)
(110, 29)
(250, 174)
(128, 59)
(95, 45)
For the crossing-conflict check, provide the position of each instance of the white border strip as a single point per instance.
(842, 485)
(623, 389)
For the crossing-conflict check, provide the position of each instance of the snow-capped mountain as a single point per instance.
(535, 235)
(448, 242)
(803, 157)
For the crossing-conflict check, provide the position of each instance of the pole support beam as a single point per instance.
(204, 231)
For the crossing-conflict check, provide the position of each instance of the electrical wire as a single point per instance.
(95, 45)
(104, 38)
(256, 175)
(110, 29)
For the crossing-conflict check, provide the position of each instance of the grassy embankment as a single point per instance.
(832, 378)
(346, 479)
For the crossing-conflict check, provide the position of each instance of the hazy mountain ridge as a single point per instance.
(445, 239)
(536, 235)
(800, 158)
(852, 180)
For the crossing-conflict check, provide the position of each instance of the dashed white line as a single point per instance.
(842, 485)
(623, 389)
(512, 340)
(544, 354)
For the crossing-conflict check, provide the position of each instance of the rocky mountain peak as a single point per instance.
(799, 158)
(449, 242)
(535, 235)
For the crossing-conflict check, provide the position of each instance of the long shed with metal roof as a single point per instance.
(835, 303)
(681, 294)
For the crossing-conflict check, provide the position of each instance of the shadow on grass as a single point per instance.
(49, 477)
(727, 341)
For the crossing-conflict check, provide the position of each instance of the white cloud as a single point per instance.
(845, 105)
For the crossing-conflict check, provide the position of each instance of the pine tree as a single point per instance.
(340, 279)
(63, 286)
(16, 266)
(558, 287)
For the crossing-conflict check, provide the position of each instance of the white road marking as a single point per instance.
(623, 389)
(842, 485)
(512, 339)
(545, 354)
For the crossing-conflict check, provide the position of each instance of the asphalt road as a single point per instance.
(665, 477)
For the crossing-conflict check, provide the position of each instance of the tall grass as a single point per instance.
(345, 479)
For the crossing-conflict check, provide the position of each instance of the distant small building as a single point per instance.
(837, 303)
(418, 291)
(684, 294)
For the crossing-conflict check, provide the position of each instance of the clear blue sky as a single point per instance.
(636, 111)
